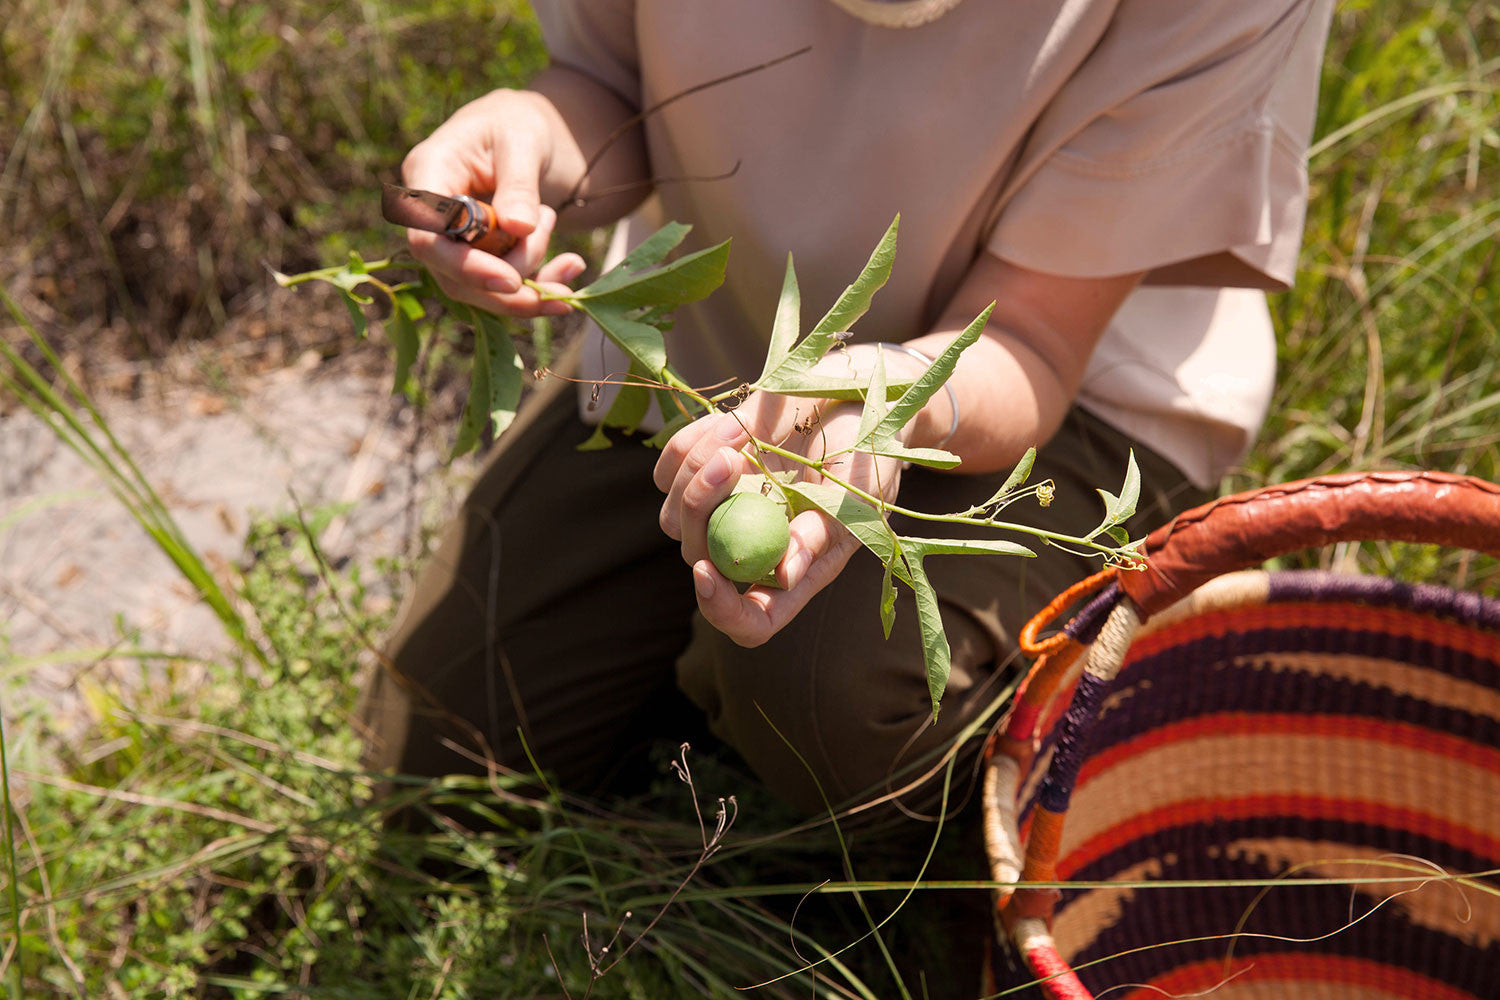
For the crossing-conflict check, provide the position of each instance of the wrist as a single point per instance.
(936, 423)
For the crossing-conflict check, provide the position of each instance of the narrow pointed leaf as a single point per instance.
(876, 403)
(932, 458)
(887, 601)
(1130, 491)
(855, 300)
(788, 321)
(929, 381)
(641, 343)
(651, 251)
(477, 409)
(936, 654)
(356, 314)
(862, 520)
(963, 546)
(403, 333)
(505, 372)
(815, 386)
(1017, 477)
(686, 279)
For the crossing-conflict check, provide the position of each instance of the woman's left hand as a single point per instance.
(700, 465)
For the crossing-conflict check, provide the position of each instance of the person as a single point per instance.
(1124, 179)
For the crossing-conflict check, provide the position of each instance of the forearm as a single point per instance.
(581, 116)
(1015, 384)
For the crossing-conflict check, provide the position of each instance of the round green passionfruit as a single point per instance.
(747, 536)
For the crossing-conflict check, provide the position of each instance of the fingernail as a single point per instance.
(716, 471)
(729, 429)
(703, 582)
(796, 568)
(505, 286)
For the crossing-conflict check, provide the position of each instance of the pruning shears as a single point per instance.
(459, 217)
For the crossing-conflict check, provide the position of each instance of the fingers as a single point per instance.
(689, 472)
(494, 283)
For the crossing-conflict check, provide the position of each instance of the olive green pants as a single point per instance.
(556, 610)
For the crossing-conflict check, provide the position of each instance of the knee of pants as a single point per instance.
(828, 715)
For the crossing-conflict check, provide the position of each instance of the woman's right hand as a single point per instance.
(497, 148)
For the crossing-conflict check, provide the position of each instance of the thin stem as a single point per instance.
(818, 466)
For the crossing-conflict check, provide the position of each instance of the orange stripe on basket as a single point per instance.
(1270, 724)
(1249, 806)
(1028, 641)
(1043, 840)
(1341, 615)
(1304, 968)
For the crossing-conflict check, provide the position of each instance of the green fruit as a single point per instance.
(747, 536)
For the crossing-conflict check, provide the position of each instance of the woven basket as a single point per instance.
(1309, 733)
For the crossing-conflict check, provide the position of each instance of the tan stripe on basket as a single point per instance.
(1233, 767)
(1422, 683)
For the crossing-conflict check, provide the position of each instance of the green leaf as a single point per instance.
(1017, 476)
(505, 372)
(876, 403)
(936, 654)
(676, 423)
(1130, 491)
(403, 334)
(928, 382)
(402, 330)
(887, 601)
(686, 279)
(932, 458)
(788, 321)
(1119, 509)
(597, 441)
(651, 251)
(361, 325)
(541, 340)
(923, 547)
(862, 520)
(476, 415)
(642, 343)
(804, 384)
(788, 374)
(855, 300)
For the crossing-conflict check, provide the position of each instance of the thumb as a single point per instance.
(518, 172)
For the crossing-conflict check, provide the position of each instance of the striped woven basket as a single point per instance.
(1326, 748)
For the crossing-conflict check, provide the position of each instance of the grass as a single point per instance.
(214, 835)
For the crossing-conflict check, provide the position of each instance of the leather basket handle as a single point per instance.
(1244, 530)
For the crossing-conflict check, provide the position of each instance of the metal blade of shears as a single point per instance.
(433, 213)
(459, 217)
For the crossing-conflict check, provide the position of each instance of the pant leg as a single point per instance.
(854, 705)
(554, 605)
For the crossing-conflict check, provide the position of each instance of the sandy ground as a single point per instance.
(78, 575)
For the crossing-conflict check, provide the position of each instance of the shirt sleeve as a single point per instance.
(596, 38)
(1177, 148)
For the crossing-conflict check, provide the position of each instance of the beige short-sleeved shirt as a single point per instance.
(1076, 137)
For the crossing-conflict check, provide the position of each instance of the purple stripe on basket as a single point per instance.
(1084, 627)
(1151, 918)
(1455, 605)
(1191, 845)
(1072, 743)
(1190, 692)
